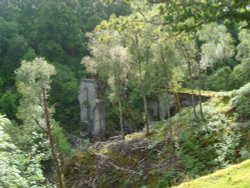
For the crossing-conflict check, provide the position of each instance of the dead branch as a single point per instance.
(38, 124)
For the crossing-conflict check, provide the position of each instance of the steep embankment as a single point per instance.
(235, 176)
(177, 150)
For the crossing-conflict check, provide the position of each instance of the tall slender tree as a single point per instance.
(33, 82)
(110, 62)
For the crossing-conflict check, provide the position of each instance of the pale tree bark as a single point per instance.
(169, 119)
(141, 81)
(144, 96)
(198, 58)
(145, 104)
(178, 103)
(200, 85)
(186, 57)
(192, 90)
(121, 120)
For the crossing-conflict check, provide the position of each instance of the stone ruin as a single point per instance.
(160, 104)
(92, 109)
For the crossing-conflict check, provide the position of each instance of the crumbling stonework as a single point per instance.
(159, 106)
(92, 109)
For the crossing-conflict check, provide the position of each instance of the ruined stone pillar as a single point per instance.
(92, 108)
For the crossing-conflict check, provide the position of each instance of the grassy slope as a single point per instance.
(235, 176)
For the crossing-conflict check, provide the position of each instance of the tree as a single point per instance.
(189, 15)
(33, 82)
(7, 103)
(12, 45)
(241, 72)
(31, 77)
(55, 30)
(217, 45)
(243, 48)
(216, 49)
(49, 131)
(58, 35)
(187, 51)
(118, 79)
(141, 54)
(168, 69)
(64, 95)
(111, 63)
(138, 34)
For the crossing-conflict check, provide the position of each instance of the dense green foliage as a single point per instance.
(163, 160)
(19, 169)
(163, 54)
(146, 52)
(32, 78)
(56, 31)
(170, 45)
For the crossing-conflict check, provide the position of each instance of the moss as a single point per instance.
(81, 162)
(196, 92)
(236, 176)
(136, 135)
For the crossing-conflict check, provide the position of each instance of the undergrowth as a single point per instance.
(177, 149)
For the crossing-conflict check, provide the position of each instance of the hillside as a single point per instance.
(235, 176)
(176, 150)
(122, 93)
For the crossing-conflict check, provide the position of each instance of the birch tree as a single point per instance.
(110, 62)
(217, 45)
(33, 82)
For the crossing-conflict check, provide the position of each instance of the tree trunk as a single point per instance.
(200, 84)
(51, 141)
(121, 119)
(178, 103)
(158, 108)
(192, 91)
(145, 104)
(169, 120)
(144, 96)
(199, 75)
(186, 55)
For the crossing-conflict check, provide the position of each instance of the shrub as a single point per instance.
(244, 90)
(240, 75)
(243, 106)
(219, 80)
(18, 169)
(61, 141)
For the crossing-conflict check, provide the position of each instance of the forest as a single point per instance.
(170, 105)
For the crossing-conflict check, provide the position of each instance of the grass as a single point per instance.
(235, 176)
(196, 92)
(136, 135)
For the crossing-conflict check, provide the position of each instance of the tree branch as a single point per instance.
(38, 124)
